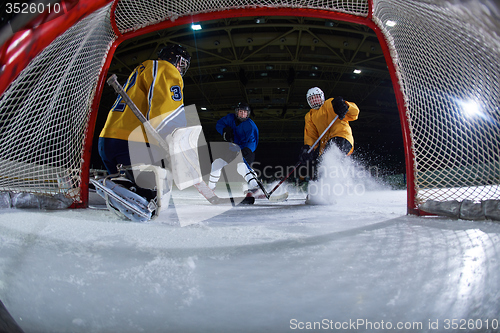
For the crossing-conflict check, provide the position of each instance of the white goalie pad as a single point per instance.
(184, 158)
(163, 179)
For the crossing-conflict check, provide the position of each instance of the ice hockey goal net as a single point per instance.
(442, 56)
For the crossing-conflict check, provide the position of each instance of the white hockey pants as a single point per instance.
(242, 169)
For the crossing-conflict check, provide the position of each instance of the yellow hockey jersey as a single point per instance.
(156, 88)
(316, 121)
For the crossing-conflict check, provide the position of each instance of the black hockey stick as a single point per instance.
(276, 198)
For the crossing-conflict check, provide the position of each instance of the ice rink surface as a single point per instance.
(358, 265)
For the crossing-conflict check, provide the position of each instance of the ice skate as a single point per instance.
(255, 192)
(319, 201)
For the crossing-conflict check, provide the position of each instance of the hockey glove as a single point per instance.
(227, 134)
(246, 152)
(304, 155)
(340, 107)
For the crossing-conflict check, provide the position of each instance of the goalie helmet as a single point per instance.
(241, 115)
(177, 55)
(315, 98)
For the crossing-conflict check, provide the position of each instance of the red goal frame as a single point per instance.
(41, 31)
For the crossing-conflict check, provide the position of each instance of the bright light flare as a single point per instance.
(470, 108)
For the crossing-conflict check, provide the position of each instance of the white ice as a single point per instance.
(358, 265)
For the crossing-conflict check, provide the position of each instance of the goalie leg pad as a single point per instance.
(162, 179)
(183, 151)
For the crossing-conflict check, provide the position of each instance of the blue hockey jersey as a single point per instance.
(246, 134)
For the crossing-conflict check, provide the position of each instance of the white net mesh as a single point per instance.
(132, 15)
(446, 60)
(45, 111)
(449, 73)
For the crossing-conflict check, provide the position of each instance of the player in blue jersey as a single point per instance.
(242, 135)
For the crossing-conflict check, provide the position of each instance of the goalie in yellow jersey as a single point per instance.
(139, 179)
(156, 88)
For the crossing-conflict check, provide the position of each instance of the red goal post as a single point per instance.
(50, 95)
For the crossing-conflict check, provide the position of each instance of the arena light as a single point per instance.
(196, 26)
(470, 108)
(357, 71)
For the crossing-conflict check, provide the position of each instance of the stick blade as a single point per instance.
(279, 197)
(274, 197)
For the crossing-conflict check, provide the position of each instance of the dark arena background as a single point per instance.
(270, 62)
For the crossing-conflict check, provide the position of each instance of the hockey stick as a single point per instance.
(309, 151)
(259, 183)
(277, 198)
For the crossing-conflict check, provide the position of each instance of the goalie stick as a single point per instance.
(202, 187)
(113, 82)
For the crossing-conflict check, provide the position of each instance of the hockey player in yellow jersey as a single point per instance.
(322, 113)
(156, 87)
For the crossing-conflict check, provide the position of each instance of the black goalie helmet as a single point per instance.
(177, 55)
(242, 116)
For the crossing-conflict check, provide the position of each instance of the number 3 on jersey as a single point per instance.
(176, 93)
